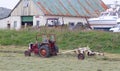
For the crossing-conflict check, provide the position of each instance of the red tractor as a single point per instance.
(45, 49)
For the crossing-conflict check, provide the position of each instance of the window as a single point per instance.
(37, 23)
(26, 3)
(8, 26)
(15, 24)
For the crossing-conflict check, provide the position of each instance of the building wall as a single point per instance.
(74, 20)
(65, 20)
(4, 22)
(41, 20)
(14, 23)
(26, 10)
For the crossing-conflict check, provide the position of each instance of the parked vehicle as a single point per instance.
(115, 28)
(51, 22)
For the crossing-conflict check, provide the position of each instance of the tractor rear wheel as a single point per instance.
(81, 56)
(44, 51)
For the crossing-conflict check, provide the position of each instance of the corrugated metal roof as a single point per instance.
(78, 8)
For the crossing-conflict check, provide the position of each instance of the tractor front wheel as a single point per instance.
(44, 51)
(27, 53)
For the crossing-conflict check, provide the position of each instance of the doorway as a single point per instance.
(8, 26)
(27, 21)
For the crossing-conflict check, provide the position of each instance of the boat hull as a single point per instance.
(102, 24)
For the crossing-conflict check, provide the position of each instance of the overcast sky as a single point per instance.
(11, 3)
(8, 3)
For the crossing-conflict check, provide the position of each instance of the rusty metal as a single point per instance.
(42, 7)
(76, 8)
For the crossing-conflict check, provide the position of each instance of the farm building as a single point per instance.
(37, 13)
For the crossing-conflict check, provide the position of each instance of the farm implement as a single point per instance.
(81, 52)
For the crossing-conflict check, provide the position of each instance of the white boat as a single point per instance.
(118, 21)
(106, 20)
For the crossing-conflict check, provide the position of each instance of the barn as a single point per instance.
(36, 13)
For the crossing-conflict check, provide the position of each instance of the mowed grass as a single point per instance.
(63, 62)
(14, 43)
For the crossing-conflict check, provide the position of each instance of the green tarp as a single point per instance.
(27, 18)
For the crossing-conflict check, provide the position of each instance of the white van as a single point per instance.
(116, 28)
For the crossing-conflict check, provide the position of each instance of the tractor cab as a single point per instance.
(48, 38)
(46, 48)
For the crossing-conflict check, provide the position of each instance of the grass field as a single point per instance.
(14, 43)
(65, 38)
(14, 61)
